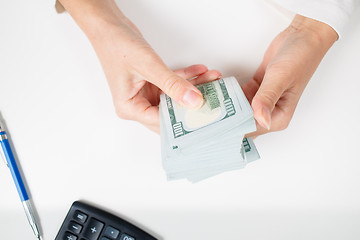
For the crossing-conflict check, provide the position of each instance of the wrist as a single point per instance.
(96, 18)
(322, 35)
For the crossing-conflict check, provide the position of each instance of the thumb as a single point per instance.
(272, 87)
(181, 90)
(176, 87)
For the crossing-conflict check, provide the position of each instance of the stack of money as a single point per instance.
(197, 144)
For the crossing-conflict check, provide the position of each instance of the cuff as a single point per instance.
(335, 13)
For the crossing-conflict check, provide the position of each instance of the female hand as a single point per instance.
(287, 67)
(135, 73)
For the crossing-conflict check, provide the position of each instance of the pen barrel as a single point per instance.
(20, 186)
(31, 217)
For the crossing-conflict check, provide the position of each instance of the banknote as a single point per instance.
(223, 106)
(198, 144)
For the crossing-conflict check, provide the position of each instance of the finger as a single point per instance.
(276, 81)
(154, 128)
(153, 69)
(259, 131)
(284, 110)
(208, 76)
(282, 113)
(150, 118)
(139, 109)
(252, 86)
(143, 112)
(191, 71)
(250, 89)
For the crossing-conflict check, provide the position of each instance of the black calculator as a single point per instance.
(86, 222)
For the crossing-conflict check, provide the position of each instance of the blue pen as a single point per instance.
(11, 163)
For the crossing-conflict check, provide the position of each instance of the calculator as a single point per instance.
(86, 222)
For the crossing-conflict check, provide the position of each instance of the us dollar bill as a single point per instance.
(197, 144)
(222, 106)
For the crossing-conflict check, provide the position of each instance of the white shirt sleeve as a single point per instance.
(335, 13)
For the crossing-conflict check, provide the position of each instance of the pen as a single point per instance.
(11, 163)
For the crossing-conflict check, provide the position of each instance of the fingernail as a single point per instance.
(192, 99)
(265, 118)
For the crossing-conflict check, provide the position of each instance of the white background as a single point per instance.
(71, 145)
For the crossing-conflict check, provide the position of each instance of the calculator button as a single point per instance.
(69, 236)
(111, 232)
(124, 236)
(93, 229)
(80, 216)
(75, 227)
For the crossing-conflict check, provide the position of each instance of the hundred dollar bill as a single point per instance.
(197, 144)
(248, 153)
(221, 107)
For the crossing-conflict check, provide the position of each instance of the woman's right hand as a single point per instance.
(136, 74)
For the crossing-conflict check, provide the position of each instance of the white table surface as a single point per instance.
(71, 145)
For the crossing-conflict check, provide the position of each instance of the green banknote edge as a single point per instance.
(177, 127)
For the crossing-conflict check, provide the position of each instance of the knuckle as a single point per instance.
(270, 96)
(283, 125)
(172, 85)
(121, 113)
(283, 122)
